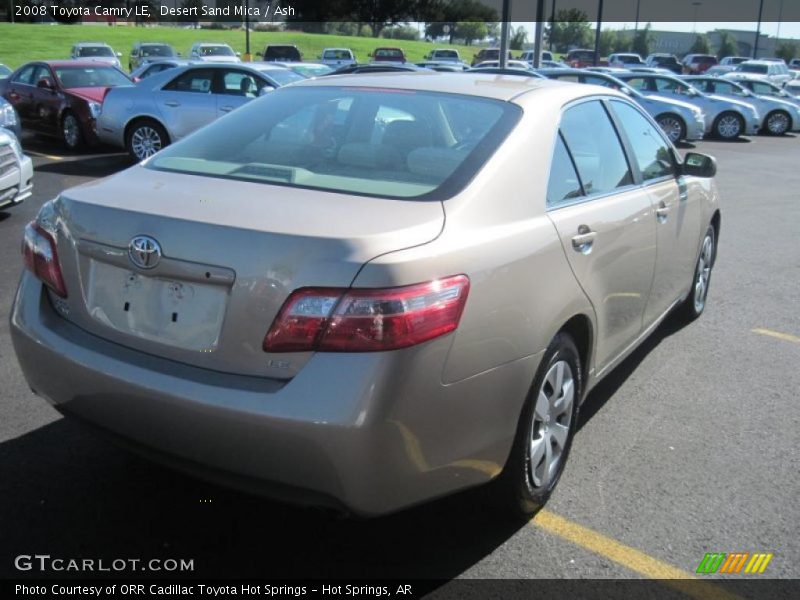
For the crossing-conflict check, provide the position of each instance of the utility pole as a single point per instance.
(552, 26)
(758, 29)
(638, 6)
(504, 34)
(537, 44)
(597, 32)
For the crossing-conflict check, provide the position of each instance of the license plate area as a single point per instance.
(182, 314)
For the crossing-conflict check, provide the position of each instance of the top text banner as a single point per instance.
(398, 11)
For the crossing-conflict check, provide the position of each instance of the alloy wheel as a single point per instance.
(729, 127)
(703, 273)
(778, 123)
(552, 419)
(672, 127)
(145, 141)
(71, 130)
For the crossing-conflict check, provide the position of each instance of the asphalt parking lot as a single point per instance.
(689, 447)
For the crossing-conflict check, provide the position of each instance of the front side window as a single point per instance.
(563, 185)
(373, 142)
(25, 76)
(595, 148)
(241, 83)
(650, 151)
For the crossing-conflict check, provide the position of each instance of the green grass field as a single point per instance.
(22, 43)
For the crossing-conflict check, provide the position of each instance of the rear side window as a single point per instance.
(595, 147)
(197, 81)
(650, 151)
(564, 184)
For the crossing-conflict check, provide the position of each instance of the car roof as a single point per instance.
(498, 87)
(91, 44)
(759, 62)
(73, 63)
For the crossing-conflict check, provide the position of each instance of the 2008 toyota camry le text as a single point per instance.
(367, 292)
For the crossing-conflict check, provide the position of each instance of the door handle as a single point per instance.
(172, 103)
(13, 95)
(662, 212)
(584, 240)
(226, 108)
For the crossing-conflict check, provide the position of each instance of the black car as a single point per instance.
(282, 53)
(377, 68)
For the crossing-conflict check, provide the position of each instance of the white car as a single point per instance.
(96, 51)
(625, 60)
(16, 171)
(336, 58)
(218, 53)
(769, 70)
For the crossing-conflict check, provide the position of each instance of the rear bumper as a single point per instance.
(372, 433)
(17, 185)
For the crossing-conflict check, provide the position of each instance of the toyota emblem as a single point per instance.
(144, 252)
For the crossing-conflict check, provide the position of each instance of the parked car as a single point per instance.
(168, 106)
(443, 55)
(581, 57)
(444, 67)
(306, 69)
(16, 171)
(664, 61)
(625, 60)
(384, 67)
(510, 64)
(544, 56)
(335, 294)
(794, 63)
(62, 99)
(695, 64)
(779, 116)
(282, 53)
(487, 54)
(4, 71)
(144, 52)
(9, 119)
(793, 88)
(158, 65)
(678, 120)
(207, 52)
(520, 72)
(388, 55)
(732, 61)
(773, 71)
(336, 58)
(763, 88)
(98, 51)
(725, 118)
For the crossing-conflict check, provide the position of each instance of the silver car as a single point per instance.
(766, 88)
(16, 171)
(96, 51)
(726, 118)
(679, 120)
(170, 105)
(212, 52)
(9, 119)
(779, 116)
(336, 295)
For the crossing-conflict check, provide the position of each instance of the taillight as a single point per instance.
(41, 258)
(367, 320)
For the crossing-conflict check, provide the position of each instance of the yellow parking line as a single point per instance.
(39, 154)
(786, 337)
(630, 558)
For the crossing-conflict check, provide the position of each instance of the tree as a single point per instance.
(786, 51)
(443, 16)
(727, 45)
(700, 45)
(379, 14)
(570, 29)
(608, 41)
(642, 40)
(518, 38)
(470, 31)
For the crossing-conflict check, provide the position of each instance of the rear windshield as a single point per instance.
(581, 55)
(745, 68)
(337, 55)
(216, 51)
(157, 51)
(445, 54)
(374, 142)
(95, 51)
(282, 52)
(388, 53)
(631, 59)
(81, 77)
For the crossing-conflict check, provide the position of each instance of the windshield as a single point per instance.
(445, 54)
(71, 77)
(375, 142)
(745, 68)
(157, 51)
(387, 53)
(311, 70)
(4, 71)
(216, 51)
(95, 51)
(337, 55)
(629, 59)
(287, 52)
(284, 76)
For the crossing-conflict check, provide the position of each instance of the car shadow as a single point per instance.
(95, 166)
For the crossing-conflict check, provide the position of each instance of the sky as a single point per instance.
(787, 29)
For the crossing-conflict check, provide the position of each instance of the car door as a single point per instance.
(677, 213)
(46, 102)
(607, 227)
(19, 93)
(235, 88)
(187, 102)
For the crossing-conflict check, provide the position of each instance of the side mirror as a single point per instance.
(266, 90)
(45, 84)
(119, 54)
(699, 165)
(238, 54)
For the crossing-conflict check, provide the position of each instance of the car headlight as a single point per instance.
(8, 116)
(16, 147)
(95, 108)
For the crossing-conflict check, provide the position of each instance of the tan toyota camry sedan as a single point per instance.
(369, 291)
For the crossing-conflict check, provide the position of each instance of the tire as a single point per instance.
(526, 481)
(144, 138)
(695, 303)
(777, 122)
(673, 126)
(728, 126)
(71, 133)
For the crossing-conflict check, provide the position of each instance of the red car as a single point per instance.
(697, 64)
(61, 99)
(581, 58)
(389, 55)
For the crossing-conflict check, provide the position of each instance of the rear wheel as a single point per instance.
(729, 126)
(695, 302)
(71, 131)
(145, 138)
(672, 126)
(544, 433)
(778, 122)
